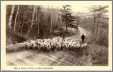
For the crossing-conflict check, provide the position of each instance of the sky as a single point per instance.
(76, 6)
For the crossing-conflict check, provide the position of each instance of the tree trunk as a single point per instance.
(51, 23)
(11, 16)
(38, 22)
(16, 18)
(66, 27)
(22, 23)
(32, 22)
(94, 26)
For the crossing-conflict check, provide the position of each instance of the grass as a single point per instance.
(99, 54)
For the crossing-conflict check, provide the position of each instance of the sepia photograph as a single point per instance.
(61, 34)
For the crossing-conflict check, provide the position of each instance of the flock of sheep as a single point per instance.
(53, 44)
(56, 43)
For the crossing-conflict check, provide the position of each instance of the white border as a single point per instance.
(55, 68)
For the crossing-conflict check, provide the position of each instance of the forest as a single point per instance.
(34, 22)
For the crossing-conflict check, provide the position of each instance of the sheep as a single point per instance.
(56, 43)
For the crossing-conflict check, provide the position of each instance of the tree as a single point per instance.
(11, 16)
(32, 22)
(67, 17)
(98, 14)
(39, 11)
(15, 22)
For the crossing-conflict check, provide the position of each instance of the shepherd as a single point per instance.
(83, 37)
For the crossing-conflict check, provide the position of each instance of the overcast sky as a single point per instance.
(76, 6)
